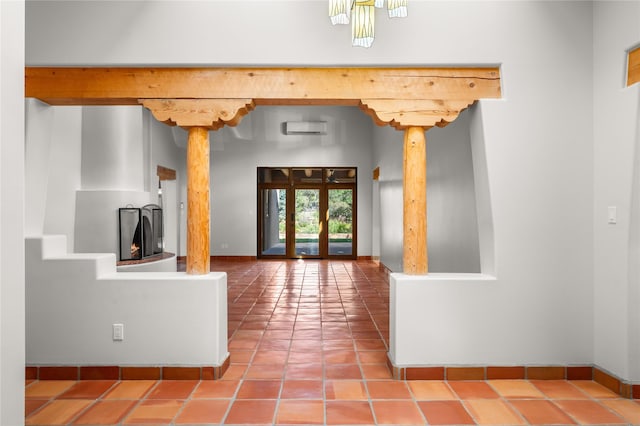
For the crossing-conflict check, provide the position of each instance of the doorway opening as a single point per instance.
(307, 212)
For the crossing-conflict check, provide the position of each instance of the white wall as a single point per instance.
(451, 207)
(38, 135)
(259, 142)
(165, 152)
(113, 170)
(540, 156)
(52, 161)
(484, 216)
(12, 194)
(616, 183)
(387, 154)
(112, 148)
(64, 172)
(82, 163)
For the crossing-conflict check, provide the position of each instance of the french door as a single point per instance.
(307, 212)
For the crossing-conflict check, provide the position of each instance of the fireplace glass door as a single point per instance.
(130, 219)
(141, 232)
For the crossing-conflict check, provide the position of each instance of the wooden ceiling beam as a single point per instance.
(125, 86)
(633, 66)
(214, 97)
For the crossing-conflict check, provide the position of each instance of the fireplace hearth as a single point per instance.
(141, 232)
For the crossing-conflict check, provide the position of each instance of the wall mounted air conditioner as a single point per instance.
(305, 128)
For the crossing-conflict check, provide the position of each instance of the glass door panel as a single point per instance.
(307, 212)
(307, 222)
(274, 222)
(340, 222)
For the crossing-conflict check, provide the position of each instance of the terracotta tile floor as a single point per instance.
(308, 342)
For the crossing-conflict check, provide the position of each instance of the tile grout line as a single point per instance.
(553, 401)
(506, 402)
(139, 401)
(185, 402)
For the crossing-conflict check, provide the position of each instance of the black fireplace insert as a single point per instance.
(141, 231)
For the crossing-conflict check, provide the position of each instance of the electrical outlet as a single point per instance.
(118, 332)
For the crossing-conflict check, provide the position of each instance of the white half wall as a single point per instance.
(476, 319)
(73, 300)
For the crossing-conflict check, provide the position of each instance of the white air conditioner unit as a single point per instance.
(305, 128)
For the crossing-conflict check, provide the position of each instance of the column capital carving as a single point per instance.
(212, 114)
(405, 113)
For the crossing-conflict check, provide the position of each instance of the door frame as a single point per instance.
(290, 185)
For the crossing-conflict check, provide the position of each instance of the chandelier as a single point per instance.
(362, 16)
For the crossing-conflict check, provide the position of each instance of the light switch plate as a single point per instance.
(118, 332)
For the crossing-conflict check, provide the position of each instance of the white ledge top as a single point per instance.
(162, 276)
(438, 276)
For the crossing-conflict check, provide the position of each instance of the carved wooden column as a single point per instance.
(198, 116)
(198, 203)
(414, 194)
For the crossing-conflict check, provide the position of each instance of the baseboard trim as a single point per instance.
(535, 372)
(114, 372)
(383, 268)
(234, 258)
(228, 258)
(250, 258)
